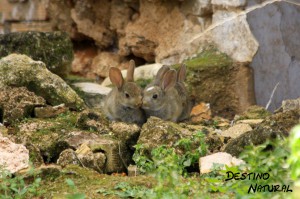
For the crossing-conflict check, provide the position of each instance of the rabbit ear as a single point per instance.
(169, 79)
(116, 77)
(161, 72)
(130, 71)
(181, 74)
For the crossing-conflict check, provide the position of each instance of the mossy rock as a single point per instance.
(21, 71)
(213, 77)
(55, 49)
(274, 126)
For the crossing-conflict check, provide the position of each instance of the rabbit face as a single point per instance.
(153, 98)
(130, 96)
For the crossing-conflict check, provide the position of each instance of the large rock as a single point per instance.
(214, 78)
(156, 132)
(20, 70)
(18, 103)
(14, 157)
(53, 48)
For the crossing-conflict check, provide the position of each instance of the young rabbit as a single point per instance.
(160, 98)
(187, 104)
(124, 102)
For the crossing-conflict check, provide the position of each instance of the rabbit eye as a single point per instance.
(154, 96)
(127, 95)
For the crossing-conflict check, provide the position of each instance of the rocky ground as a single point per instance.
(49, 127)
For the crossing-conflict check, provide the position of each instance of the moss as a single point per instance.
(143, 82)
(88, 182)
(55, 49)
(70, 79)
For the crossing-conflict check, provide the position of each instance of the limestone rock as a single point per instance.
(18, 103)
(93, 94)
(20, 70)
(250, 121)
(14, 157)
(53, 48)
(236, 130)
(49, 111)
(206, 163)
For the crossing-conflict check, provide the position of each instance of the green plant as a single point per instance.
(15, 187)
(75, 194)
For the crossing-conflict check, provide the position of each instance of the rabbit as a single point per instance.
(124, 101)
(160, 98)
(187, 104)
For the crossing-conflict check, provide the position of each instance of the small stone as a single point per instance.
(288, 105)
(49, 111)
(236, 130)
(200, 112)
(206, 163)
(133, 171)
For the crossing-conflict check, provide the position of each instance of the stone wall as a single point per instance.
(258, 33)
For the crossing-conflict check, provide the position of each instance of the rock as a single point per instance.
(49, 111)
(156, 132)
(93, 94)
(89, 159)
(274, 27)
(133, 171)
(18, 103)
(35, 155)
(200, 112)
(236, 130)
(104, 61)
(229, 3)
(254, 112)
(20, 70)
(67, 157)
(274, 126)
(250, 121)
(56, 45)
(93, 119)
(197, 7)
(14, 157)
(142, 72)
(116, 152)
(288, 105)
(83, 59)
(127, 133)
(213, 77)
(206, 163)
